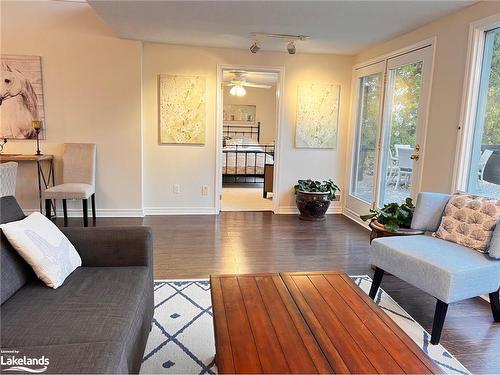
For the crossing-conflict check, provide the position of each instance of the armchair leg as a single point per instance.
(65, 212)
(495, 305)
(437, 326)
(85, 213)
(377, 279)
(92, 200)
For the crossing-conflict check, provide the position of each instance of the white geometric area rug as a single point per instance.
(182, 338)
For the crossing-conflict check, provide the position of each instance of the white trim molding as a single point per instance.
(154, 211)
(350, 214)
(100, 212)
(470, 95)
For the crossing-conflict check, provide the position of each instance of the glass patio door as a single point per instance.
(368, 98)
(388, 137)
(403, 126)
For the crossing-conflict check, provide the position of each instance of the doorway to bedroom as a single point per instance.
(249, 122)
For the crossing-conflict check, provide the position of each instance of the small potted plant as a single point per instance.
(313, 198)
(393, 217)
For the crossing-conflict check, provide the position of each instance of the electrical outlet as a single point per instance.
(177, 189)
(204, 190)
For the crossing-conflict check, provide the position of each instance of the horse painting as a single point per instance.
(19, 103)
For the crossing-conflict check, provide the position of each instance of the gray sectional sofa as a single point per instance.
(99, 320)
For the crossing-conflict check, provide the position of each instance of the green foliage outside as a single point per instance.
(491, 134)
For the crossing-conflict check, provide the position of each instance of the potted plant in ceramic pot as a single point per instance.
(393, 215)
(392, 220)
(313, 198)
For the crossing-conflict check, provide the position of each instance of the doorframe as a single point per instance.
(470, 90)
(429, 42)
(280, 70)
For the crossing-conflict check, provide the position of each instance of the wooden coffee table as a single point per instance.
(306, 323)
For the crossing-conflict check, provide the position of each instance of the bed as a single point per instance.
(243, 157)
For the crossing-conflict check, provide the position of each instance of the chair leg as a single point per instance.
(47, 208)
(495, 305)
(92, 199)
(85, 213)
(377, 279)
(65, 212)
(437, 326)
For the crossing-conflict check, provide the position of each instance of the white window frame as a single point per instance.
(466, 127)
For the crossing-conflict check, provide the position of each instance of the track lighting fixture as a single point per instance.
(290, 47)
(254, 48)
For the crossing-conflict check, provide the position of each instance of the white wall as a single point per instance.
(447, 87)
(265, 102)
(194, 166)
(92, 88)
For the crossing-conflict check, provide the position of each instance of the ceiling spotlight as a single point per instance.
(290, 47)
(238, 90)
(254, 48)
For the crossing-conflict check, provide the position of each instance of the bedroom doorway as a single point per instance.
(248, 105)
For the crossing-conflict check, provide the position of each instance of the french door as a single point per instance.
(391, 99)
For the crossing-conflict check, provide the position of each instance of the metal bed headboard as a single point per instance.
(231, 130)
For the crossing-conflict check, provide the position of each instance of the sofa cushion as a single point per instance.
(469, 220)
(446, 270)
(10, 210)
(105, 305)
(44, 247)
(429, 210)
(15, 272)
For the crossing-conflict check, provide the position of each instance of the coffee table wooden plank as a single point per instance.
(224, 361)
(356, 327)
(269, 348)
(397, 347)
(334, 358)
(398, 331)
(299, 346)
(352, 354)
(244, 350)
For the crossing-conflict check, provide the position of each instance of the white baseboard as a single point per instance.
(335, 208)
(100, 212)
(179, 211)
(355, 217)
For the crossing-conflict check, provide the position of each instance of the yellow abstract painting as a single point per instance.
(182, 109)
(317, 115)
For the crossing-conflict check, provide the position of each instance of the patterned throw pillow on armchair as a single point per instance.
(469, 220)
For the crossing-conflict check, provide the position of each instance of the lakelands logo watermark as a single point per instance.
(12, 360)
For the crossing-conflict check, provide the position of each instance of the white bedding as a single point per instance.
(241, 159)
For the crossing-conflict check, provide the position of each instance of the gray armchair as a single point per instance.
(446, 270)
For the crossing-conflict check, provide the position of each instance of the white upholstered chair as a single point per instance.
(78, 179)
(8, 172)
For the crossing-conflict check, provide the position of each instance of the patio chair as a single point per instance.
(405, 164)
(485, 156)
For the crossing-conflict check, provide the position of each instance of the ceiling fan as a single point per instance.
(239, 82)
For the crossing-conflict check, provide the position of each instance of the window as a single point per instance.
(478, 164)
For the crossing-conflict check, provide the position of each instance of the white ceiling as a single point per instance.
(343, 27)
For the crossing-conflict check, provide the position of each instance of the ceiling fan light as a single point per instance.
(238, 91)
(290, 47)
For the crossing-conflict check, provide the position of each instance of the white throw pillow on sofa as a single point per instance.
(44, 247)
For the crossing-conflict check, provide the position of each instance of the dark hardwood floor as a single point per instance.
(249, 242)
